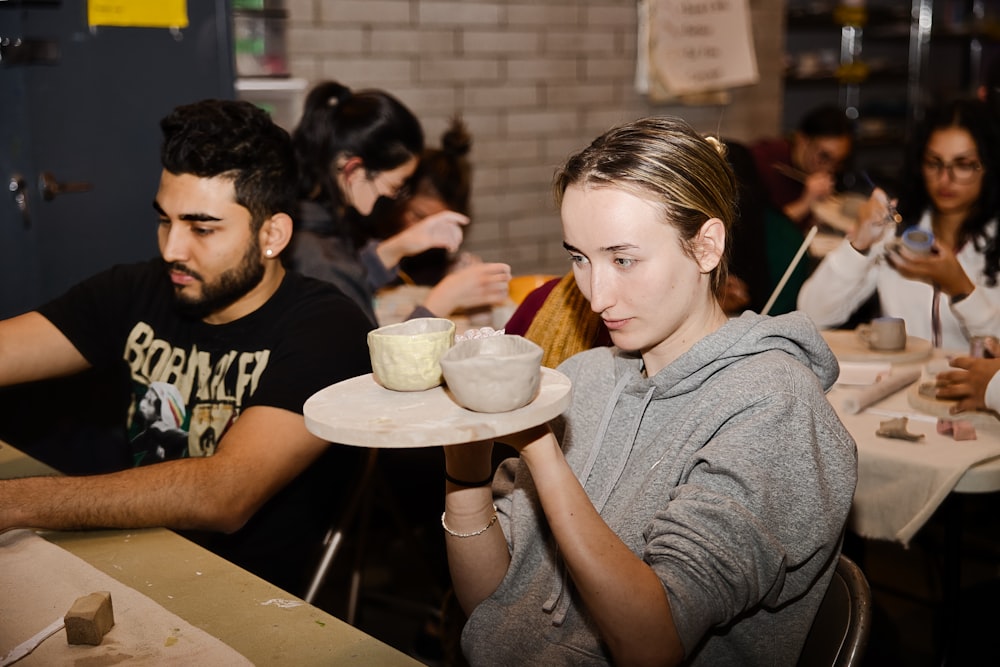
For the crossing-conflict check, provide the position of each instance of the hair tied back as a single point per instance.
(717, 144)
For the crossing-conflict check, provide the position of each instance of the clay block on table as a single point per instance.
(89, 619)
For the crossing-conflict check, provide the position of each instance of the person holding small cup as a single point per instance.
(689, 504)
(934, 264)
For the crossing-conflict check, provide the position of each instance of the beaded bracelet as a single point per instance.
(493, 520)
(468, 485)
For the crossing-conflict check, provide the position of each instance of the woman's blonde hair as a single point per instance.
(665, 161)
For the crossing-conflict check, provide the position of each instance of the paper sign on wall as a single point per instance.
(698, 46)
(138, 13)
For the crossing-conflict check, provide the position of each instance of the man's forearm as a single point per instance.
(174, 494)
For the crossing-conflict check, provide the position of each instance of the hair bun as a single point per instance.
(456, 140)
(717, 144)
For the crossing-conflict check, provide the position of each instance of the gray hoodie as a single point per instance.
(728, 473)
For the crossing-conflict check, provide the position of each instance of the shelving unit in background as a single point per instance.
(259, 34)
(883, 62)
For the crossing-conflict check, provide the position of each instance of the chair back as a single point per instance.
(839, 633)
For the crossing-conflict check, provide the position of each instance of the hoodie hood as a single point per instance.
(741, 337)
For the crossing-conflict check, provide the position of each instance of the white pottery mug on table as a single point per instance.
(883, 334)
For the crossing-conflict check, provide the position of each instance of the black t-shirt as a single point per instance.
(191, 380)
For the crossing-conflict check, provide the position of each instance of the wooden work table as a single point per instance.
(214, 595)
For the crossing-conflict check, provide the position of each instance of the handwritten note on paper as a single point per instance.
(138, 13)
(698, 46)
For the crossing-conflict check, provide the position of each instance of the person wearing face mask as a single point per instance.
(801, 170)
(950, 293)
(688, 505)
(354, 148)
(443, 182)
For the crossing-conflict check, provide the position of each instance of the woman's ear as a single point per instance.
(711, 244)
(351, 165)
(275, 234)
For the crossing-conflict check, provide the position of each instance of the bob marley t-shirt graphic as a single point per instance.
(184, 399)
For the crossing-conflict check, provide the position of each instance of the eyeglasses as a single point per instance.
(960, 171)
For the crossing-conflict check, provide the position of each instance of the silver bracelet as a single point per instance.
(493, 520)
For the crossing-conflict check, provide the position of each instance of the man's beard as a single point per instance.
(226, 290)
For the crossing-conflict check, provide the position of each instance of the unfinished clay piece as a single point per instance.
(896, 428)
(958, 429)
(493, 374)
(406, 356)
(89, 619)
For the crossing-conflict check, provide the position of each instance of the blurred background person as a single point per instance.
(951, 190)
(800, 170)
(354, 148)
(442, 182)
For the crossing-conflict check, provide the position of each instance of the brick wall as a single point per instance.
(534, 79)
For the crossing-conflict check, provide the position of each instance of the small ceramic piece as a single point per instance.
(493, 374)
(896, 428)
(958, 429)
(89, 619)
(406, 356)
(883, 334)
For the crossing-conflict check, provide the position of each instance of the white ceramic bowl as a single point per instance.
(493, 374)
(406, 356)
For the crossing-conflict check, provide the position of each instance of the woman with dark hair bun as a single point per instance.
(353, 149)
(443, 181)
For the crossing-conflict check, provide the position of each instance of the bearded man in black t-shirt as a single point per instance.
(221, 346)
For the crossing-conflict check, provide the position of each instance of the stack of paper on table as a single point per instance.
(39, 582)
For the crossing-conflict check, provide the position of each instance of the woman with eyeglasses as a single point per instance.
(952, 181)
(355, 149)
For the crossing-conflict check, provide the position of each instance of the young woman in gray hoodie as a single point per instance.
(688, 507)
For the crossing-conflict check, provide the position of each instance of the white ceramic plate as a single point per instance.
(847, 346)
(361, 412)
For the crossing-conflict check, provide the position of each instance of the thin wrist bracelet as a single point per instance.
(468, 485)
(493, 520)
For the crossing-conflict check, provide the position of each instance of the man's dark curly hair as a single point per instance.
(237, 140)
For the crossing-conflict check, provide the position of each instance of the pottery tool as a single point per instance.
(892, 215)
(790, 172)
(29, 645)
(788, 272)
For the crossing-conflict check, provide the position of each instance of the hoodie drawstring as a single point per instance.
(558, 602)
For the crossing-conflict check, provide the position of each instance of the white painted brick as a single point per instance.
(540, 122)
(540, 227)
(429, 102)
(594, 42)
(575, 94)
(501, 41)
(618, 69)
(458, 69)
(458, 13)
(621, 14)
(507, 96)
(542, 68)
(483, 123)
(368, 73)
(325, 41)
(415, 42)
(543, 14)
(531, 175)
(504, 150)
(365, 11)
